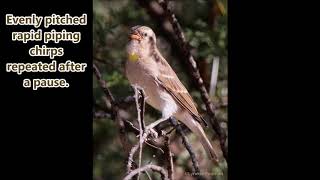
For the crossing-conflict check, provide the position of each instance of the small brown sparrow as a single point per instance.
(147, 68)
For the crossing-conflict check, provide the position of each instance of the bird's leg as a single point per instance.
(150, 130)
(175, 124)
(153, 134)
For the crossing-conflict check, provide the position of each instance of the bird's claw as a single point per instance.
(153, 134)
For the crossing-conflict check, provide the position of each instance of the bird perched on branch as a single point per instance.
(147, 68)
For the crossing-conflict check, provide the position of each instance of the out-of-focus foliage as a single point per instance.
(205, 27)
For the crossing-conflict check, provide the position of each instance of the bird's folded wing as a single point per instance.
(171, 83)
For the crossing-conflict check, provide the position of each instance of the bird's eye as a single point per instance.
(145, 34)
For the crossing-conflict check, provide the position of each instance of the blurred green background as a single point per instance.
(205, 26)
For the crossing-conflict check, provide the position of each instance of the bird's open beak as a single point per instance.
(135, 36)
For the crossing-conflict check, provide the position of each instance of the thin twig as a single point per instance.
(143, 131)
(131, 128)
(103, 85)
(186, 143)
(130, 158)
(134, 150)
(115, 109)
(140, 113)
(151, 145)
(142, 138)
(142, 103)
(169, 160)
(148, 175)
(164, 174)
(154, 124)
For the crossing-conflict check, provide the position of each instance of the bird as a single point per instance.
(147, 68)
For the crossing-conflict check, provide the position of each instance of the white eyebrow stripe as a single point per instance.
(167, 76)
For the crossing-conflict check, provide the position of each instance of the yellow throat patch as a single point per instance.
(133, 57)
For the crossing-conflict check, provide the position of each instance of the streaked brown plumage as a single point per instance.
(147, 68)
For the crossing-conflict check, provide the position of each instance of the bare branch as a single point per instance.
(142, 104)
(139, 91)
(186, 143)
(130, 158)
(164, 174)
(169, 160)
(103, 85)
(154, 124)
(143, 131)
(130, 126)
(115, 109)
(151, 145)
(148, 175)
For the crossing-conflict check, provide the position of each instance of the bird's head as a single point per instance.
(143, 35)
(142, 43)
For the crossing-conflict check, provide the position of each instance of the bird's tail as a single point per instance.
(196, 128)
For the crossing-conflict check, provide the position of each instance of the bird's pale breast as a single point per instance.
(157, 97)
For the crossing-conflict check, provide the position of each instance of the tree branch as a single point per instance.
(142, 104)
(130, 158)
(143, 131)
(164, 174)
(186, 144)
(140, 111)
(169, 160)
(115, 109)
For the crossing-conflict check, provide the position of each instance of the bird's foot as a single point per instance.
(149, 130)
(153, 133)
